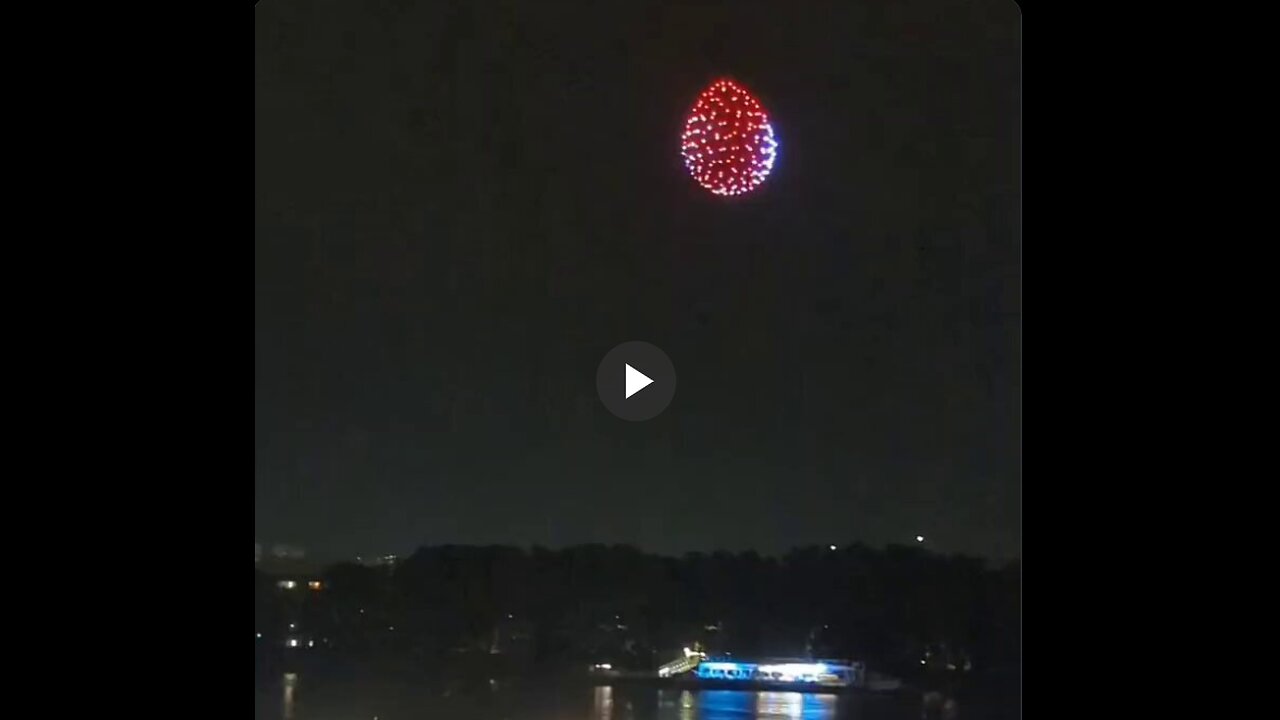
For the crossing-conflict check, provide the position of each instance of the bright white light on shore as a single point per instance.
(833, 547)
(293, 642)
(919, 538)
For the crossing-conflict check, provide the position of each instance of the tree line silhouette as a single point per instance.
(891, 608)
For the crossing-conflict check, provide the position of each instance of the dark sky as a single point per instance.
(461, 206)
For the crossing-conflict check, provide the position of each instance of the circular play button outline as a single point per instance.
(636, 381)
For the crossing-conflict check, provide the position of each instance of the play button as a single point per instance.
(636, 381)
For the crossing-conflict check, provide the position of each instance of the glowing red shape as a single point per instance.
(727, 143)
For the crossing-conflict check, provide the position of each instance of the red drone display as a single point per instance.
(728, 144)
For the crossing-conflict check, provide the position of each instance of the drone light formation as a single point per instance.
(728, 144)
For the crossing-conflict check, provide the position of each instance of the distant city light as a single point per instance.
(393, 627)
(293, 642)
(259, 636)
(833, 547)
(292, 625)
(314, 584)
(922, 662)
(311, 643)
(604, 666)
(287, 584)
(919, 538)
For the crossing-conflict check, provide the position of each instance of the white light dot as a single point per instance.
(919, 538)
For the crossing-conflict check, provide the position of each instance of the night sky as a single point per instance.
(461, 206)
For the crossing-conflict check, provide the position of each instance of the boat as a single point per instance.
(696, 670)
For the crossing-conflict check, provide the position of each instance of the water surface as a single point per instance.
(293, 696)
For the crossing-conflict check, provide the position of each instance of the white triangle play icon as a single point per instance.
(636, 381)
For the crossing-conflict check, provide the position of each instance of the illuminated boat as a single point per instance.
(782, 673)
(695, 669)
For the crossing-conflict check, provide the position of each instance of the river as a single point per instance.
(291, 696)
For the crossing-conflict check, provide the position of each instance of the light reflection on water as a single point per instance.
(686, 705)
(724, 705)
(290, 687)
(779, 704)
(335, 700)
(604, 702)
